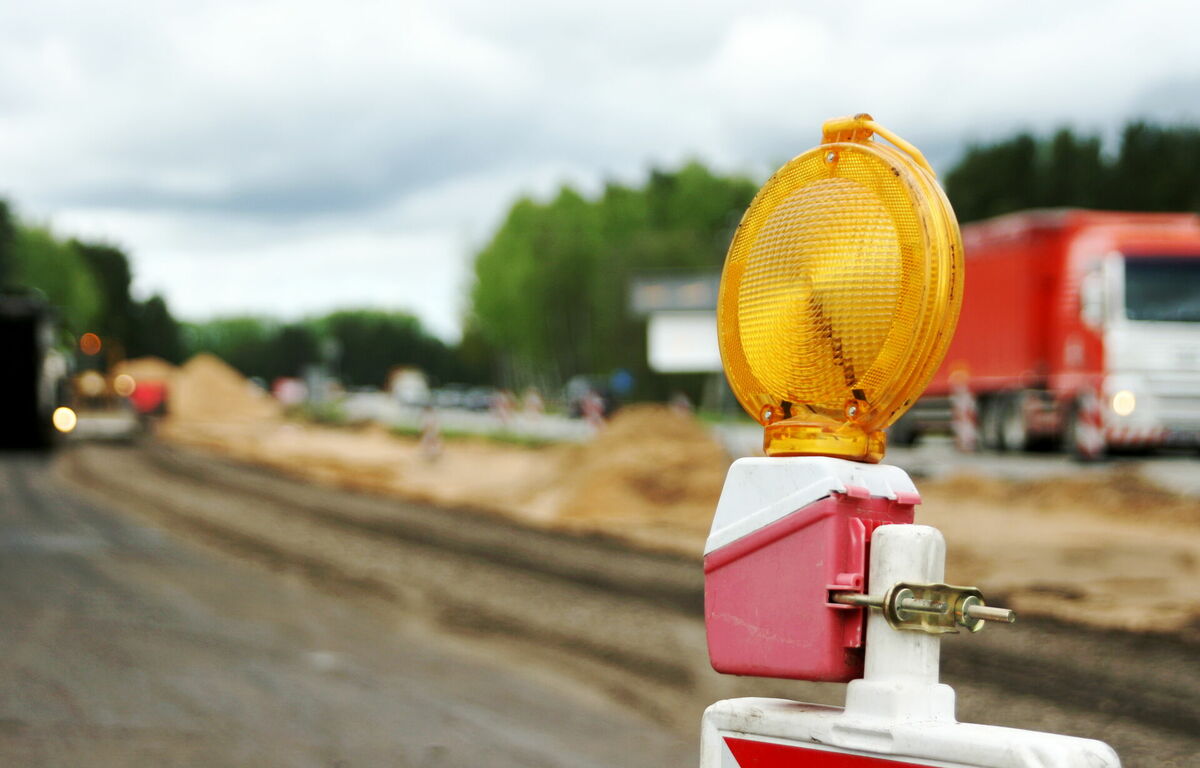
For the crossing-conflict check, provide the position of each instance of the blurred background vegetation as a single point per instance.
(549, 296)
(550, 288)
(1154, 168)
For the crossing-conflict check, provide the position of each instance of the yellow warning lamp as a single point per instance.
(840, 293)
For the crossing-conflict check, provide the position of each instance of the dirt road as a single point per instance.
(586, 618)
(126, 645)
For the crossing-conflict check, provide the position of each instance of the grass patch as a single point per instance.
(330, 414)
(495, 436)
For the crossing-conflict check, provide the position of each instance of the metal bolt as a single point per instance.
(988, 613)
(907, 603)
(830, 157)
(854, 598)
(969, 612)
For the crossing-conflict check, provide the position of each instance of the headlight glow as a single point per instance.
(1123, 403)
(64, 419)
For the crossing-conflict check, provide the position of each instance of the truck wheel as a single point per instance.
(1014, 435)
(903, 432)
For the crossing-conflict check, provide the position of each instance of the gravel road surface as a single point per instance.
(427, 635)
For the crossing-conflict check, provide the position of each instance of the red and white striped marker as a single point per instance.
(1135, 437)
(964, 415)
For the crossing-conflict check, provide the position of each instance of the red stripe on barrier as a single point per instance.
(765, 754)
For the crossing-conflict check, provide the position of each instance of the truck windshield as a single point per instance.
(1163, 289)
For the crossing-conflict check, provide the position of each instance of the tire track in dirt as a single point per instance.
(500, 603)
(584, 559)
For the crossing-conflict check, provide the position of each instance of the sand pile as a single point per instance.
(206, 389)
(650, 467)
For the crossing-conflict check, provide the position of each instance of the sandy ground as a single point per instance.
(1107, 551)
(651, 476)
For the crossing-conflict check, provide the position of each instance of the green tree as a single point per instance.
(371, 343)
(8, 235)
(110, 268)
(243, 341)
(1072, 172)
(1154, 169)
(155, 332)
(995, 179)
(550, 287)
(295, 347)
(475, 361)
(89, 284)
(41, 261)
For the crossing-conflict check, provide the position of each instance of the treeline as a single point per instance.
(89, 285)
(1153, 168)
(360, 347)
(550, 287)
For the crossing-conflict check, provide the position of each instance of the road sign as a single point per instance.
(772, 733)
(683, 342)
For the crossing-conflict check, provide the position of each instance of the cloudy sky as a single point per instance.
(287, 156)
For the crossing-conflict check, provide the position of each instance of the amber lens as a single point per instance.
(840, 293)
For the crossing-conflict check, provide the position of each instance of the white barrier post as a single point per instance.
(900, 680)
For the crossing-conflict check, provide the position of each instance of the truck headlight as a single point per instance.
(1123, 403)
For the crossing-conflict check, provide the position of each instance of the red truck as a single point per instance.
(1075, 323)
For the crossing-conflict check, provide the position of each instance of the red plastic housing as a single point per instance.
(766, 595)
